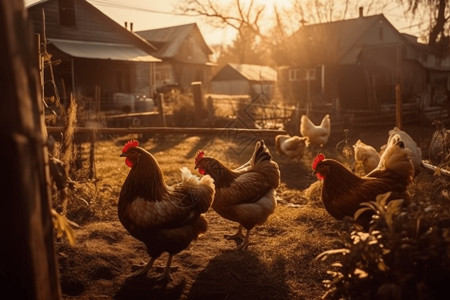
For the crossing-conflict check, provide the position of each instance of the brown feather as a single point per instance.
(165, 218)
(343, 191)
(245, 195)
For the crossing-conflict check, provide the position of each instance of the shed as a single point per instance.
(244, 79)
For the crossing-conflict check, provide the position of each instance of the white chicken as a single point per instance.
(317, 134)
(291, 146)
(366, 157)
(416, 156)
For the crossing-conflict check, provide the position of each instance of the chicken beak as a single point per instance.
(123, 155)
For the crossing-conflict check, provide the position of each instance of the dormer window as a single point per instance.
(67, 13)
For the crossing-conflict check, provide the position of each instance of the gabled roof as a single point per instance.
(92, 26)
(344, 38)
(168, 40)
(247, 71)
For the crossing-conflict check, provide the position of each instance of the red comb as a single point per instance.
(199, 156)
(319, 157)
(130, 144)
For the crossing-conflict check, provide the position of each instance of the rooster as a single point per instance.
(343, 191)
(317, 135)
(165, 218)
(366, 157)
(291, 146)
(246, 195)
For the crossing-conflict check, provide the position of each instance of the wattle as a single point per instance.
(129, 163)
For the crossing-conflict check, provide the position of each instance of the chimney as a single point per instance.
(131, 26)
(126, 24)
(361, 12)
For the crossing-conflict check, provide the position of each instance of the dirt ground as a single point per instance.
(279, 263)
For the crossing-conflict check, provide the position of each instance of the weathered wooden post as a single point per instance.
(398, 89)
(197, 92)
(161, 110)
(28, 268)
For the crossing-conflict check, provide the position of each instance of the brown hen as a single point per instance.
(165, 218)
(246, 195)
(343, 191)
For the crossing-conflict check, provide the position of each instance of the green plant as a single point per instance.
(404, 255)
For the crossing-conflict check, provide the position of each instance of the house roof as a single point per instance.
(92, 26)
(168, 40)
(94, 50)
(344, 38)
(247, 71)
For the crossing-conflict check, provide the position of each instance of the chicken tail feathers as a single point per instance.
(201, 190)
(261, 152)
(325, 121)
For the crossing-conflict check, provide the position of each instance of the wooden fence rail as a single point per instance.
(173, 130)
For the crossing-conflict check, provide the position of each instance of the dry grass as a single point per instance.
(279, 263)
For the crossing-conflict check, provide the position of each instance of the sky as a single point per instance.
(152, 14)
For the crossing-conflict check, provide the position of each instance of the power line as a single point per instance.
(129, 7)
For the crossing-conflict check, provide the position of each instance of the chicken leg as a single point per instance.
(240, 236)
(245, 243)
(145, 270)
(165, 276)
(237, 236)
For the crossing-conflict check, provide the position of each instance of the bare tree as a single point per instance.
(248, 19)
(260, 28)
(234, 14)
(438, 12)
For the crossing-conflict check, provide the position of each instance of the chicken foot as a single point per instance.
(237, 236)
(165, 276)
(240, 236)
(144, 271)
(245, 243)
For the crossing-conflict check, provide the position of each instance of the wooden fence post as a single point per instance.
(398, 90)
(197, 92)
(28, 268)
(161, 110)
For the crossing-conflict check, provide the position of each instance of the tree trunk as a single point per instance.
(28, 264)
(438, 27)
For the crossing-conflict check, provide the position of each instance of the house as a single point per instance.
(356, 65)
(244, 79)
(90, 53)
(184, 54)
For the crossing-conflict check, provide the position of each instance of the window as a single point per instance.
(302, 74)
(163, 75)
(294, 74)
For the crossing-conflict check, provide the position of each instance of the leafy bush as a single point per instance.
(404, 255)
